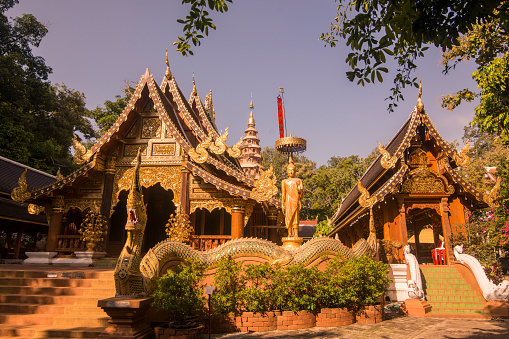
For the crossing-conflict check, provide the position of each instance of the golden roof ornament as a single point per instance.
(265, 187)
(194, 87)
(462, 159)
(21, 193)
(59, 175)
(492, 198)
(81, 155)
(386, 161)
(167, 74)
(365, 200)
(420, 105)
(251, 119)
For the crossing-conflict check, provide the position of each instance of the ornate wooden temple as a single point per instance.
(411, 191)
(186, 165)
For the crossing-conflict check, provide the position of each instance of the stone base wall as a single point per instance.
(370, 315)
(334, 317)
(179, 333)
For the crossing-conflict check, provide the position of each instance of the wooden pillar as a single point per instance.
(109, 179)
(55, 223)
(202, 221)
(184, 188)
(238, 220)
(402, 226)
(272, 219)
(221, 221)
(444, 207)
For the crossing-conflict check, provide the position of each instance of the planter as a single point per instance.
(256, 322)
(370, 315)
(334, 317)
(174, 333)
(222, 323)
(289, 320)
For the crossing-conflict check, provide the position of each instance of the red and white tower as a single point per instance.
(251, 159)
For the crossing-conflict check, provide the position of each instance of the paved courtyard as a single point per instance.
(402, 327)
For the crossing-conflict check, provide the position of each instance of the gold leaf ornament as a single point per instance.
(265, 187)
(81, 155)
(219, 146)
(386, 161)
(21, 193)
(235, 150)
(462, 159)
(365, 200)
(200, 154)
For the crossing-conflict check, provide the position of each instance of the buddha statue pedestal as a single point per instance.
(291, 243)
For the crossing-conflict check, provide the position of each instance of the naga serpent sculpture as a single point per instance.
(219, 146)
(165, 251)
(128, 280)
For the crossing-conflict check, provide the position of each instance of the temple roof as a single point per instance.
(188, 123)
(389, 169)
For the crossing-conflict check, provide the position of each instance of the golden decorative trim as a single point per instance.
(132, 150)
(167, 74)
(291, 144)
(58, 203)
(167, 176)
(265, 187)
(81, 155)
(235, 151)
(386, 161)
(59, 175)
(163, 149)
(200, 154)
(81, 204)
(420, 105)
(492, 198)
(132, 134)
(35, 209)
(151, 128)
(425, 180)
(365, 200)
(219, 146)
(418, 158)
(20, 193)
(462, 159)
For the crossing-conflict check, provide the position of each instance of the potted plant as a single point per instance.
(180, 294)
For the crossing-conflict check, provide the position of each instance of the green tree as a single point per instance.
(37, 120)
(402, 30)
(106, 116)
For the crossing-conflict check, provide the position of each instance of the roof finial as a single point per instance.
(167, 74)
(420, 105)
(251, 119)
(194, 86)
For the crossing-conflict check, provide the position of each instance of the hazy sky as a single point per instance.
(259, 46)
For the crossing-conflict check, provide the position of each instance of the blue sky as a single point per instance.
(259, 46)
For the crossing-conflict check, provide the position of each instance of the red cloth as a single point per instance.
(280, 117)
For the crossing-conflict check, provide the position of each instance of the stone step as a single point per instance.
(450, 298)
(76, 320)
(26, 319)
(31, 309)
(456, 305)
(68, 274)
(36, 299)
(87, 301)
(30, 290)
(101, 293)
(470, 314)
(87, 310)
(19, 331)
(45, 282)
(450, 287)
(75, 332)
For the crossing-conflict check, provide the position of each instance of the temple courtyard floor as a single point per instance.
(401, 327)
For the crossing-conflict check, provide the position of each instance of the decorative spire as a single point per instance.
(167, 74)
(420, 105)
(251, 119)
(194, 86)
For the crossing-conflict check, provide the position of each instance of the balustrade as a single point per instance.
(207, 242)
(70, 243)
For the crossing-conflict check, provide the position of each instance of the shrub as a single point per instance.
(362, 281)
(258, 294)
(229, 284)
(180, 292)
(295, 288)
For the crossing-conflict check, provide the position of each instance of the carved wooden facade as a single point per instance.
(411, 186)
(185, 164)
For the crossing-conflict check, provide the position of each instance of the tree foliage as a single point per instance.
(37, 119)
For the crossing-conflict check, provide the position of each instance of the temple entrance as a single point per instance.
(425, 233)
(160, 207)
(217, 222)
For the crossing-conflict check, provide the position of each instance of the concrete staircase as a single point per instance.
(53, 302)
(449, 293)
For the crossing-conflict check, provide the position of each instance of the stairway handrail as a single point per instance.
(415, 290)
(490, 291)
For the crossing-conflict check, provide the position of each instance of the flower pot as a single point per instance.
(370, 315)
(289, 320)
(334, 317)
(257, 322)
(169, 332)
